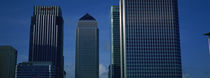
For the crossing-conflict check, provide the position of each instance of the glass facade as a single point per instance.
(36, 70)
(46, 37)
(150, 42)
(8, 59)
(87, 48)
(115, 39)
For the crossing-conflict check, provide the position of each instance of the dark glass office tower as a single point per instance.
(115, 39)
(8, 60)
(150, 42)
(87, 48)
(46, 37)
(110, 71)
(36, 70)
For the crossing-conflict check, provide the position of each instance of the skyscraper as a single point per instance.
(115, 39)
(46, 37)
(110, 71)
(8, 60)
(87, 48)
(150, 42)
(36, 70)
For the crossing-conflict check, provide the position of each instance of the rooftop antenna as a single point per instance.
(208, 34)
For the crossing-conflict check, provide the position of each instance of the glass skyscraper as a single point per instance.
(87, 48)
(150, 41)
(46, 37)
(36, 70)
(115, 39)
(8, 60)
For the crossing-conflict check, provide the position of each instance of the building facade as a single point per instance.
(87, 48)
(115, 41)
(150, 42)
(36, 70)
(110, 71)
(8, 60)
(46, 37)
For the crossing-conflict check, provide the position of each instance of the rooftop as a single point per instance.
(87, 17)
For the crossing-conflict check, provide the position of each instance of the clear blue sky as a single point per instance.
(194, 15)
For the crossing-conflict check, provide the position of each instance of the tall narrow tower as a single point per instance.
(46, 37)
(150, 42)
(87, 48)
(115, 39)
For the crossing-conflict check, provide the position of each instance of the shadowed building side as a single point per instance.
(8, 60)
(36, 70)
